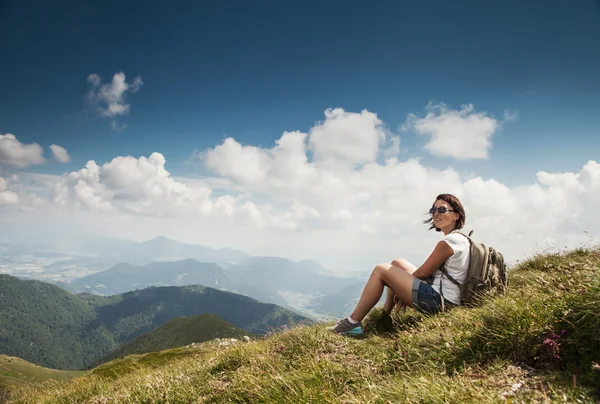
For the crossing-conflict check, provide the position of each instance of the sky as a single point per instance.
(309, 130)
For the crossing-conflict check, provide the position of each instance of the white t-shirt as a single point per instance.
(457, 266)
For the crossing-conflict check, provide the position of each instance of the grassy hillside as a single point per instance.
(539, 343)
(16, 371)
(179, 332)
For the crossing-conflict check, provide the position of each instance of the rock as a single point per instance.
(246, 338)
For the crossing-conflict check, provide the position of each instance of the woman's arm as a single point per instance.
(440, 254)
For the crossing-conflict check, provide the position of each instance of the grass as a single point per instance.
(179, 332)
(19, 372)
(538, 343)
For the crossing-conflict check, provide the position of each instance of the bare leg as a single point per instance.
(398, 280)
(390, 302)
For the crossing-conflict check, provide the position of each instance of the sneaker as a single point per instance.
(345, 327)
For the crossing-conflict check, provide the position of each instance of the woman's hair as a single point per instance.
(456, 207)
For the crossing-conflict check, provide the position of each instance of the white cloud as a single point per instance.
(109, 99)
(344, 209)
(16, 154)
(347, 138)
(7, 197)
(144, 187)
(462, 134)
(393, 149)
(60, 154)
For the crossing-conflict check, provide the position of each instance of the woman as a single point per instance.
(405, 282)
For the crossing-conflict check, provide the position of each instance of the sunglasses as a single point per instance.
(441, 210)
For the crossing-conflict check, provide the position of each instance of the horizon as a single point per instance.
(314, 132)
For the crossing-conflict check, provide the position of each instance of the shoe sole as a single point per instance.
(354, 333)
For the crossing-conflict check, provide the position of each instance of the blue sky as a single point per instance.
(254, 71)
(197, 74)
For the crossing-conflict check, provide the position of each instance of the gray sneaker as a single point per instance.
(345, 327)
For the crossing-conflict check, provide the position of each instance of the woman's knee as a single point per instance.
(404, 264)
(381, 269)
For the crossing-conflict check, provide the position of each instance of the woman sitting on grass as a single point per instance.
(405, 281)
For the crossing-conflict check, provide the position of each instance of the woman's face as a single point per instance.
(444, 220)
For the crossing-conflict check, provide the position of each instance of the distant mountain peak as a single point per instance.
(160, 239)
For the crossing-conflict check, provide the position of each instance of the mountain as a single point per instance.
(162, 249)
(342, 302)
(66, 259)
(285, 282)
(16, 371)
(300, 286)
(125, 277)
(179, 332)
(46, 325)
(49, 326)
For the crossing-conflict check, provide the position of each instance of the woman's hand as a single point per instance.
(399, 305)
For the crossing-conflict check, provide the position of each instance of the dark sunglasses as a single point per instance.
(441, 210)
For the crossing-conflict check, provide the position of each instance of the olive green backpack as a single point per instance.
(487, 273)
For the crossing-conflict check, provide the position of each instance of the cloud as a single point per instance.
(7, 197)
(109, 99)
(144, 187)
(16, 154)
(347, 138)
(393, 149)
(344, 208)
(462, 134)
(60, 154)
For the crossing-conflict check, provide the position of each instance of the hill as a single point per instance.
(179, 332)
(537, 343)
(48, 326)
(301, 286)
(125, 277)
(62, 259)
(16, 371)
(287, 283)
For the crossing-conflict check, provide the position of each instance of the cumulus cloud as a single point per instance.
(393, 149)
(463, 134)
(343, 206)
(60, 154)
(143, 186)
(109, 99)
(387, 200)
(346, 137)
(7, 197)
(16, 154)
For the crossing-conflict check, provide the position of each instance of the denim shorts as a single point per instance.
(426, 299)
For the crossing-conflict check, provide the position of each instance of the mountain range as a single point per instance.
(49, 326)
(107, 266)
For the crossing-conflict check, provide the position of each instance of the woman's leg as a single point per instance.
(408, 267)
(395, 278)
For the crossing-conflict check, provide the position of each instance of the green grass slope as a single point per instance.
(18, 372)
(179, 332)
(538, 343)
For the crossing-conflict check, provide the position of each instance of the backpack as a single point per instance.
(486, 274)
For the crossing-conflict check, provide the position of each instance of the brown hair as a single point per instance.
(456, 207)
